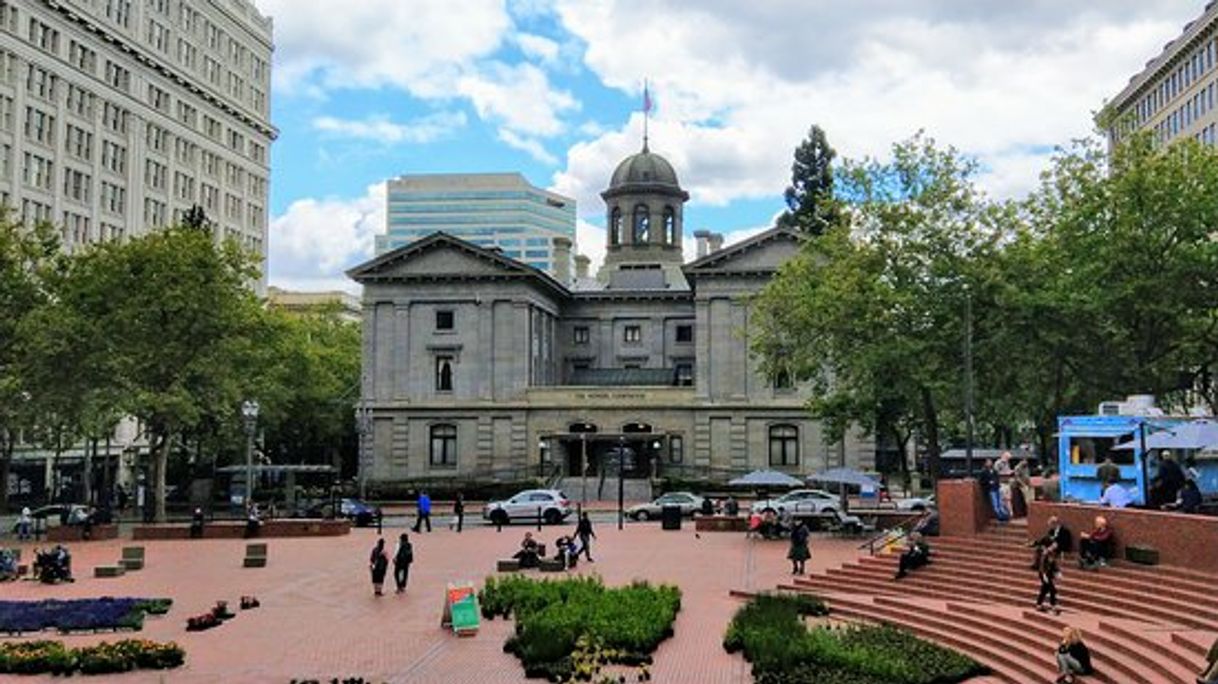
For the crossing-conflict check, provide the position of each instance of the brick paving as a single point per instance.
(319, 618)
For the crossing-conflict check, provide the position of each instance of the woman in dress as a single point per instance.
(378, 563)
(799, 553)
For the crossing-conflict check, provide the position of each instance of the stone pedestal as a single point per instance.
(963, 510)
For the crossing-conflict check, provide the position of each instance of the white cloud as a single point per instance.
(316, 240)
(530, 146)
(538, 47)
(740, 85)
(379, 128)
(519, 96)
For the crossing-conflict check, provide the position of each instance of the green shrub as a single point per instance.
(40, 657)
(626, 624)
(770, 633)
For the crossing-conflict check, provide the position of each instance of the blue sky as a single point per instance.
(552, 88)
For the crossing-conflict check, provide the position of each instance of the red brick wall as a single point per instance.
(231, 530)
(71, 533)
(963, 510)
(1188, 541)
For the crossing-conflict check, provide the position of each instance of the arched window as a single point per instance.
(444, 445)
(444, 373)
(784, 445)
(642, 224)
(615, 226)
(670, 226)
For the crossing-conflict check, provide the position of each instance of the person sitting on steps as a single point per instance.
(1073, 656)
(1095, 547)
(917, 554)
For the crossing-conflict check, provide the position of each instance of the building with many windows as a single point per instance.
(1175, 95)
(493, 210)
(117, 116)
(478, 365)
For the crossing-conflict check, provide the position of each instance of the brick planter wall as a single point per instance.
(236, 530)
(1187, 541)
(71, 533)
(721, 523)
(963, 510)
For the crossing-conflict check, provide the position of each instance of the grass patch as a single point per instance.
(555, 618)
(770, 633)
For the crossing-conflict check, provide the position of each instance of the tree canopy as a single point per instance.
(811, 206)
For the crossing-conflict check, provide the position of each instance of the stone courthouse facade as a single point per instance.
(478, 366)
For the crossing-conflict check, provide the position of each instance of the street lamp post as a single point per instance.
(968, 381)
(621, 483)
(583, 468)
(363, 425)
(249, 412)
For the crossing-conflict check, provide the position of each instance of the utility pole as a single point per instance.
(621, 483)
(583, 468)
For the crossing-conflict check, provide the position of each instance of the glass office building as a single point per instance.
(488, 209)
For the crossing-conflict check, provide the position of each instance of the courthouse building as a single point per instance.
(476, 364)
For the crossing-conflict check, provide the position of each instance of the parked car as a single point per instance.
(46, 516)
(359, 513)
(551, 504)
(688, 502)
(916, 503)
(800, 501)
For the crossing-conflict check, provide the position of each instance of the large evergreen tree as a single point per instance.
(811, 206)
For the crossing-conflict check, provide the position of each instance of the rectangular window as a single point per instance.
(83, 58)
(581, 334)
(77, 185)
(676, 449)
(39, 126)
(445, 320)
(44, 36)
(40, 83)
(685, 374)
(444, 373)
(115, 118)
(444, 446)
(685, 334)
(113, 198)
(114, 157)
(784, 445)
(117, 76)
(632, 334)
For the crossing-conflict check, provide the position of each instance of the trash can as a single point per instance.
(670, 518)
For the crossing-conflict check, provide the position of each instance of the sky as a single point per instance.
(366, 90)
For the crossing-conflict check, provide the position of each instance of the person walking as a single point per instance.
(403, 556)
(459, 510)
(1048, 573)
(424, 513)
(378, 564)
(584, 531)
(799, 553)
(23, 524)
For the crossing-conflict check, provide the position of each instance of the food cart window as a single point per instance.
(1093, 450)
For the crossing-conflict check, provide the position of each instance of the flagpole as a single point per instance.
(646, 112)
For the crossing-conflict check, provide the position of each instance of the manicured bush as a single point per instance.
(42, 657)
(79, 614)
(624, 625)
(770, 633)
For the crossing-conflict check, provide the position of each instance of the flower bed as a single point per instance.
(625, 624)
(770, 633)
(52, 657)
(78, 614)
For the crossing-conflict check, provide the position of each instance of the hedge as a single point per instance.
(770, 633)
(43, 657)
(625, 624)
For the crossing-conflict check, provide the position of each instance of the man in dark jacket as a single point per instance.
(1056, 536)
(993, 490)
(1172, 475)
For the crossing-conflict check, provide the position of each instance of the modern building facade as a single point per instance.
(492, 210)
(1175, 94)
(476, 364)
(117, 116)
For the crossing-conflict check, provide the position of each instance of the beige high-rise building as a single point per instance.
(117, 116)
(1175, 95)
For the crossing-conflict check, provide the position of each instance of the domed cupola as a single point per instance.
(645, 207)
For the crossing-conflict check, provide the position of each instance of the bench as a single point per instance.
(508, 565)
(551, 565)
(109, 571)
(255, 556)
(133, 558)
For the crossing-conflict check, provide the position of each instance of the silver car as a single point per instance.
(550, 504)
(799, 501)
(688, 502)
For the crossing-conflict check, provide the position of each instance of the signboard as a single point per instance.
(461, 609)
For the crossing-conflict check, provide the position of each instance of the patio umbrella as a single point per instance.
(845, 476)
(766, 478)
(1200, 434)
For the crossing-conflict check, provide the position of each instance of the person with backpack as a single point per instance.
(403, 556)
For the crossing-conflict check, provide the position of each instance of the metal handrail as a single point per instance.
(902, 529)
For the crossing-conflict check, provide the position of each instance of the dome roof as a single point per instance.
(644, 168)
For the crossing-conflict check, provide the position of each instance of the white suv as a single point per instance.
(551, 504)
(800, 501)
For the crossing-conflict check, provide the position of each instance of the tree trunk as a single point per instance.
(930, 418)
(6, 458)
(160, 462)
(87, 478)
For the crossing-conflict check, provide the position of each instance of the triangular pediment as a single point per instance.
(440, 255)
(762, 253)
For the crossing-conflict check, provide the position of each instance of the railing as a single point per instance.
(892, 534)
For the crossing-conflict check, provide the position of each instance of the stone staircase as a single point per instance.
(1145, 625)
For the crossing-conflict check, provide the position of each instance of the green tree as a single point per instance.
(178, 320)
(29, 256)
(871, 313)
(811, 206)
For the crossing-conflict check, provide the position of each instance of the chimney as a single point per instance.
(715, 241)
(702, 236)
(581, 266)
(562, 260)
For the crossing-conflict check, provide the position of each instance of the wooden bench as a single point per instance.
(255, 556)
(133, 558)
(109, 571)
(508, 565)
